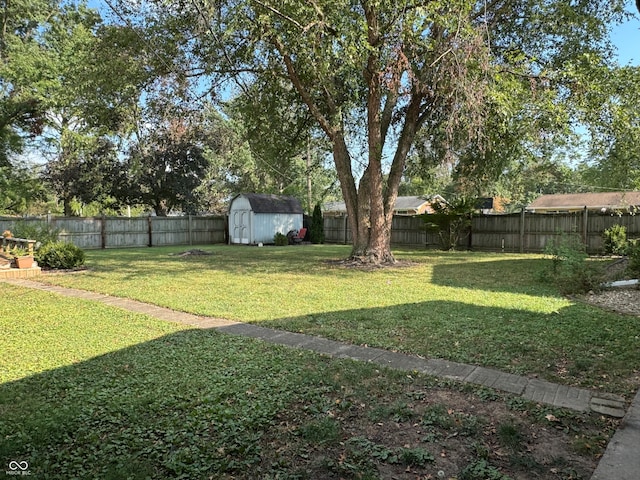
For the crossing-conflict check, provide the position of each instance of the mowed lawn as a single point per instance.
(495, 310)
(91, 391)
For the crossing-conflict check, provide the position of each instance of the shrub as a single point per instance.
(633, 250)
(41, 232)
(59, 255)
(615, 240)
(280, 239)
(451, 221)
(571, 270)
(316, 231)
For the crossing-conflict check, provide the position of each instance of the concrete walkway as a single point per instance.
(621, 460)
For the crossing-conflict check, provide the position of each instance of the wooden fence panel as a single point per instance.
(82, 232)
(169, 231)
(9, 223)
(118, 232)
(408, 231)
(496, 232)
(122, 232)
(208, 230)
(336, 230)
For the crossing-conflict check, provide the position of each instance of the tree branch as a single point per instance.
(304, 93)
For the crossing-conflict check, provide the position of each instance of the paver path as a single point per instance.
(620, 462)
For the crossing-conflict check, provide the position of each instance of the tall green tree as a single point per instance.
(21, 114)
(374, 73)
(90, 173)
(613, 160)
(168, 160)
(67, 81)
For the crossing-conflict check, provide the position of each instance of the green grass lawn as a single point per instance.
(91, 391)
(488, 309)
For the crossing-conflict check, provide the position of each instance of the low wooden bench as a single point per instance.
(10, 243)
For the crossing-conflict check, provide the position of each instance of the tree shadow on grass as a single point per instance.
(520, 275)
(193, 401)
(199, 404)
(574, 345)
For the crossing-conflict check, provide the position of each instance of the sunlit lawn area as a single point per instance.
(482, 308)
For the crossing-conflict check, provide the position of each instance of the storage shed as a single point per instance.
(255, 218)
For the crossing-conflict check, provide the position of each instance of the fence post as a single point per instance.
(585, 219)
(346, 226)
(190, 228)
(522, 232)
(150, 228)
(103, 232)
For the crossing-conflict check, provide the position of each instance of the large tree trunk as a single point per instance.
(369, 205)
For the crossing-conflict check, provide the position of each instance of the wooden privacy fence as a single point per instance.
(114, 232)
(519, 232)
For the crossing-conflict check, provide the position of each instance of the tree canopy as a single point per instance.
(491, 93)
(476, 82)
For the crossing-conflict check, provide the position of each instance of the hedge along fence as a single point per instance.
(118, 232)
(516, 233)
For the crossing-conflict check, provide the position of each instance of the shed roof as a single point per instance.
(267, 203)
(592, 201)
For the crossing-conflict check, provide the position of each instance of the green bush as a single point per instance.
(42, 232)
(316, 232)
(59, 255)
(280, 239)
(633, 251)
(615, 240)
(571, 270)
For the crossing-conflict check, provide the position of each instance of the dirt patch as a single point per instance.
(625, 300)
(619, 300)
(361, 264)
(188, 253)
(62, 271)
(433, 433)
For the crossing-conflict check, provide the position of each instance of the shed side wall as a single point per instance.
(266, 225)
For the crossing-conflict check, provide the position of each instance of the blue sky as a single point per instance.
(626, 38)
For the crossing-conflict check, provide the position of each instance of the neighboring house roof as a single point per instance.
(578, 201)
(417, 204)
(267, 203)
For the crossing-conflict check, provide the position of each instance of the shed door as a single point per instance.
(240, 233)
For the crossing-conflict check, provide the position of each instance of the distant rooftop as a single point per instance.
(407, 205)
(578, 201)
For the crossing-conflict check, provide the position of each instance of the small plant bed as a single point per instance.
(103, 393)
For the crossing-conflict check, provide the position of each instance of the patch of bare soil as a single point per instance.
(366, 265)
(63, 271)
(615, 299)
(188, 253)
(434, 433)
(619, 300)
